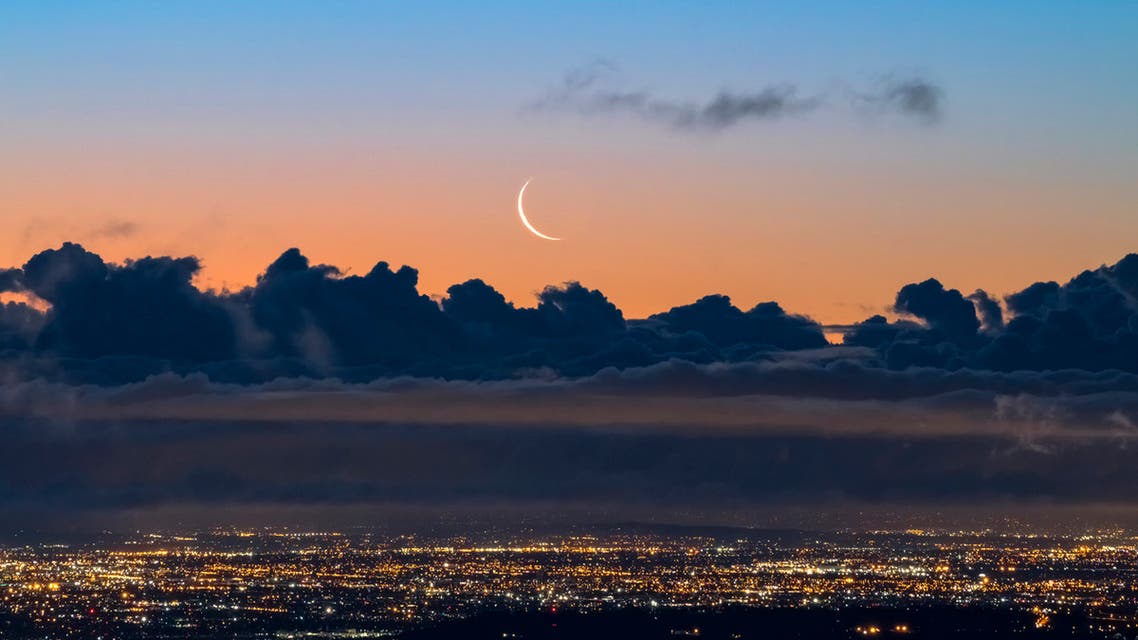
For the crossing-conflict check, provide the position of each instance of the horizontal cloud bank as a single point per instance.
(93, 322)
(761, 400)
(126, 386)
(673, 435)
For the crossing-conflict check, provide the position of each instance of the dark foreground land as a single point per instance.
(743, 623)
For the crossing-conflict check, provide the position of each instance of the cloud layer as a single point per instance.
(126, 386)
(89, 321)
(675, 435)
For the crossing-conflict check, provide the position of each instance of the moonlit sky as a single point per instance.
(366, 131)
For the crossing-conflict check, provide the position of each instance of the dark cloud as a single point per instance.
(913, 97)
(315, 313)
(11, 280)
(575, 311)
(797, 429)
(877, 332)
(19, 326)
(765, 325)
(142, 464)
(1035, 300)
(146, 307)
(834, 390)
(1089, 323)
(480, 307)
(113, 323)
(989, 311)
(317, 387)
(945, 310)
(592, 90)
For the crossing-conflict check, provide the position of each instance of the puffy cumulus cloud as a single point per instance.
(90, 321)
(573, 310)
(1089, 323)
(482, 308)
(147, 307)
(1035, 300)
(991, 315)
(945, 310)
(316, 314)
(765, 325)
(10, 280)
(110, 323)
(19, 325)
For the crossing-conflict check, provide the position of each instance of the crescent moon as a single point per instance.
(522, 214)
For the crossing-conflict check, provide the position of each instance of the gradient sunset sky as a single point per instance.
(366, 131)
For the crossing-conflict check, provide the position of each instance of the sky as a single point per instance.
(361, 131)
(832, 254)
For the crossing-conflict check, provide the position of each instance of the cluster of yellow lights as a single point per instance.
(162, 572)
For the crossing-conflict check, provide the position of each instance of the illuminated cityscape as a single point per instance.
(282, 583)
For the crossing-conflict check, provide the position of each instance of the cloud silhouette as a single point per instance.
(991, 315)
(146, 307)
(316, 387)
(944, 310)
(112, 323)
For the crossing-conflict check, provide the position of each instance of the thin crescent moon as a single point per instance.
(522, 214)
